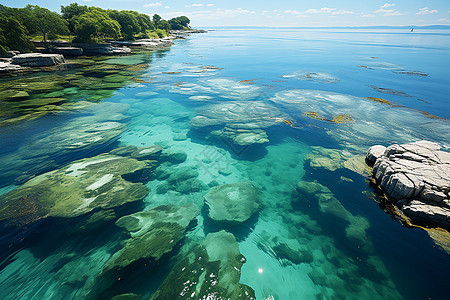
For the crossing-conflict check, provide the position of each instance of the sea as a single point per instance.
(261, 132)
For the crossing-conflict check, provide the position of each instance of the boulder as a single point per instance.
(242, 137)
(333, 159)
(415, 176)
(152, 233)
(37, 60)
(81, 187)
(6, 67)
(374, 153)
(210, 269)
(235, 202)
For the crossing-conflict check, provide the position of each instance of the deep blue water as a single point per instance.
(276, 76)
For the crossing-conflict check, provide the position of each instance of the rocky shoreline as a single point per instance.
(53, 52)
(416, 178)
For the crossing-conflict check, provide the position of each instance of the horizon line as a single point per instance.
(362, 26)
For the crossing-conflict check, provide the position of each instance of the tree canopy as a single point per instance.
(45, 21)
(179, 23)
(95, 24)
(13, 35)
(89, 24)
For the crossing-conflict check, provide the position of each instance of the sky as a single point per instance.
(277, 13)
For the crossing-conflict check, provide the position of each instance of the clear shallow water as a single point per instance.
(297, 246)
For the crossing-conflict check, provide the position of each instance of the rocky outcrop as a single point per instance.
(152, 233)
(241, 123)
(234, 203)
(37, 60)
(102, 49)
(415, 176)
(81, 187)
(67, 51)
(210, 269)
(6, 67)
(145, 43)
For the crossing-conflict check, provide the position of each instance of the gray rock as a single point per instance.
(374, 153)
(152, 233)
(422, 212)
(102, 49)
(37, 60)
(235, 202)
(69, 51)
(416, 176)
(6, 67)
(81, 187)
(242, 137)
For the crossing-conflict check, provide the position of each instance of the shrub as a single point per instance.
(161, 33)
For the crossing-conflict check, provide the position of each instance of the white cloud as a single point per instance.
(325, 10)
(342, 12)
(318, 11)
(368, 16)
(292, 12)
(386, 5)
(232, 12)
(426, 11)
(444, 20)
(153, 4)
(194, 5)
(388, 12)
(209, 4)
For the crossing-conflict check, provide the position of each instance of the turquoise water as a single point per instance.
(283, 108)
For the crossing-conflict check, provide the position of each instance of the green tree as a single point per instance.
(179, 23)
(164, 25)
(129, 23)
(70, 11)
(175, 24)
(95, 25)
(13, 35)
(46, 21)
(73, 10)
(185, 21)
(145, 22)
(156, 19)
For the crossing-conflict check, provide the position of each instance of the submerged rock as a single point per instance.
(389, 91)
(209, 270)
(242, 137)
(313, 76)
(84, 134)
(153, 233)
(235, 202)
(314, 193)
(222, 87)
(373, 119)
(333, 159)
(243, 122)
(141, 153)
(82, 186)
(415, 176)
(127, 296)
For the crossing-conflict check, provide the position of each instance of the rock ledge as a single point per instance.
(416, 177)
